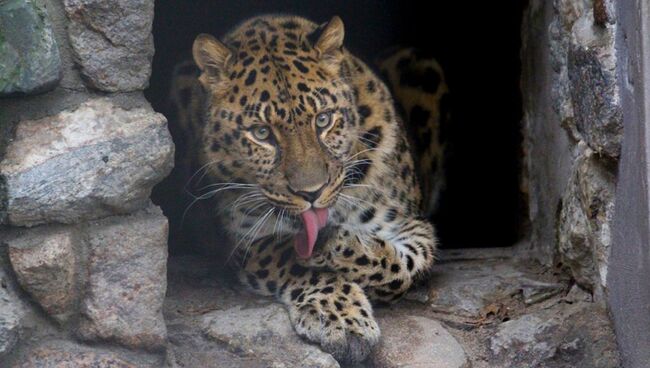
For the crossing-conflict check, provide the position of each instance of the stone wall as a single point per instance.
(83, 251)
(573, 129)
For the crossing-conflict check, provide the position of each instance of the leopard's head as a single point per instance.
(280, 114)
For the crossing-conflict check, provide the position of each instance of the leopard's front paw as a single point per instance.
(339, 318)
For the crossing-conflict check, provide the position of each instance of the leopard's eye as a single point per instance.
(261, 132)
(324, 119)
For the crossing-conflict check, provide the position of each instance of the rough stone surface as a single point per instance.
(468, 290)
(29, 55)
(126, 280)
(585, 89)
(47, 357)
(564, 336)
(469, 295)
(9, 329)
(570, 64)
(11, 315)
(414, 341)
(266, 334)
(91, 162)
(213, 323)
(584, 233)
(64, 354)
(112, 42)
(594, 91)
(44, 262)
(521, 333)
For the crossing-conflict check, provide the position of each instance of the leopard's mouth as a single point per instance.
(295, 205)
(305, 223)
(313, 221)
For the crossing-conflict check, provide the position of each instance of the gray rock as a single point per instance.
(534, 291)
(11, 315)
(464, 289)
(584, 237)
(414, 341)
(522, 335)
(585, 91)
(29, 55)
(264, 333)
(55, 358)
(127, 269)
(65, 354)
(10, 323)
(468, 290)
(45, 266)
(564, 336)
(9, 329)
(577, 294)
(95, 161)
(596, 103)
(112, 42)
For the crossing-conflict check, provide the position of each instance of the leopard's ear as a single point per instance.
(211, 56)
(329, 38)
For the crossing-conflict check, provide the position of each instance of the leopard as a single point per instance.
(418, 85)
(311, 167)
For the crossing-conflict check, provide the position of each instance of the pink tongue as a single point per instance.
(313, 220)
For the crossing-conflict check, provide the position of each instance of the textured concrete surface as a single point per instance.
(629, 284)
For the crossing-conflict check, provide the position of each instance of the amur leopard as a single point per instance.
(311, 168)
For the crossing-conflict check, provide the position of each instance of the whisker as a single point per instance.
(251, 233)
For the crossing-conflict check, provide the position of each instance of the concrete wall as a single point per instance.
(547, 161)
(629, 273)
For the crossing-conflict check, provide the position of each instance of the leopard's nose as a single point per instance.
(308, 195)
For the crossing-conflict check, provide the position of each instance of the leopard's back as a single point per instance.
(419, 88)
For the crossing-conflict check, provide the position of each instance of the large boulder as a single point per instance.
(564, 336)
(46, 267)
(465, 290)
(95, 161)
(127, 280)
(112, 42)
(416, 341)
(585, 83)
(265, 334)
(29, 55)
(584, 236)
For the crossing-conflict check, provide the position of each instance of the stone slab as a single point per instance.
(95, 161)
(127, 281)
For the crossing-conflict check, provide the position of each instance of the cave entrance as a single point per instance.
(519, 171)
(480, 53)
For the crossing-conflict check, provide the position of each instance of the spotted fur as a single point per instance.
(263, 89)
(418, 84)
